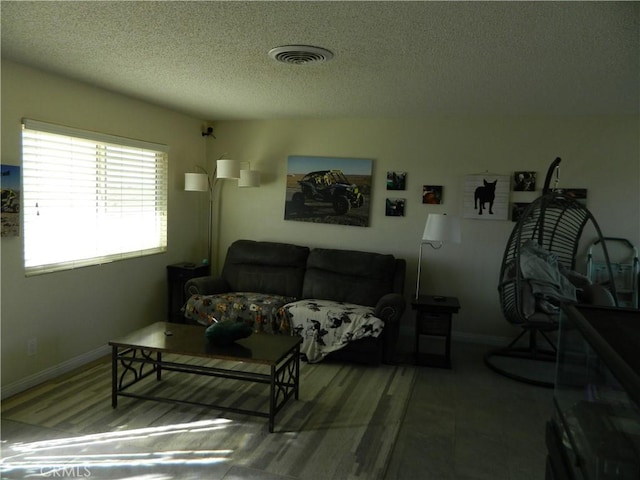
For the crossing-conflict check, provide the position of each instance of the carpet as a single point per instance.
(343, 426)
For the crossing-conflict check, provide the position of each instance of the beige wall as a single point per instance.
(600, 154)
(75, 313)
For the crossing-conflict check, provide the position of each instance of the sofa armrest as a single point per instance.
(205, 286)
(389, 309)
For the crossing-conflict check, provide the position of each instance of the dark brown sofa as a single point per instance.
(269, 276)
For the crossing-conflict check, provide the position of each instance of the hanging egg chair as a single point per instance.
(538, 274)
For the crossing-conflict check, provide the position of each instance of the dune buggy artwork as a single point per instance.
(328, 186)
(10, 201)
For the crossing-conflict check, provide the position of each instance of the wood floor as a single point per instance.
(467, 423)
(343, 425)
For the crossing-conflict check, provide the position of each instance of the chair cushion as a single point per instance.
(326, 326)
(263, 312)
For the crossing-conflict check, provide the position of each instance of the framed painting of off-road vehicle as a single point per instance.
(10, 216)
(328, 190)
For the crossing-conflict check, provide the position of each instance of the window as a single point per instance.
(90, 198)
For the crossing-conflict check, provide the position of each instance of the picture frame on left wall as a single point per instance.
(11, 193)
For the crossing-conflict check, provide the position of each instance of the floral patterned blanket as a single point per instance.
(263, 312)
(326, 326)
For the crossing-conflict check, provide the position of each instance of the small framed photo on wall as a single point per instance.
(517, 209)
(432, 194)
(524, 182)
(577, 194)
(395, 207)
(396, 180)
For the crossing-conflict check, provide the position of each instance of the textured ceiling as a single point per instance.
(391, 58)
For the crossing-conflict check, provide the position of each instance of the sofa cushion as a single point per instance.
(327, 326)
(348, 276)
(266, 267)
(263, 312)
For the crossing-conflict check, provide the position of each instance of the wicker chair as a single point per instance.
(555, 222)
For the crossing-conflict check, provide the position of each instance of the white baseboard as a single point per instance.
(53, 372)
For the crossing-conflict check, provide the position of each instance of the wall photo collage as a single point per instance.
(397, 181)
(487, 196)
(338, 191)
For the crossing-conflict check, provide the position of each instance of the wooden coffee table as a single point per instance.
(140, 354)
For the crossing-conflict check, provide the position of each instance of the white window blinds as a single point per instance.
(90, 198)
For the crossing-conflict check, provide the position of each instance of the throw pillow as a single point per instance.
(225, 333)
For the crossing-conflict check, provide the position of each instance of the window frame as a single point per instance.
(114, 186)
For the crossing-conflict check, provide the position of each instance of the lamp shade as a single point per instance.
(249, 178)
(442, 228)
(196, 182)
(228, 169)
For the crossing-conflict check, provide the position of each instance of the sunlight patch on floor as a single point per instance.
(38, 459)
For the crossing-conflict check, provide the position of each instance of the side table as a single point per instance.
(177, 276)
(433, 319)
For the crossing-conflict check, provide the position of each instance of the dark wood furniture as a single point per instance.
(177, 276)
(142, 353)
(433, 319)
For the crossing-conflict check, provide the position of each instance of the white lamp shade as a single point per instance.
(196, 182)
(442, 228)
(249, 178)
(228, 169)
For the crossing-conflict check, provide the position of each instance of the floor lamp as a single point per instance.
(201, 182)
(205, 182)
(440, 228)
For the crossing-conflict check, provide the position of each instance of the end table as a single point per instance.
(433, 319)
(177, 276)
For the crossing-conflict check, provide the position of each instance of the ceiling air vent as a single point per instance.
(300, 54)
